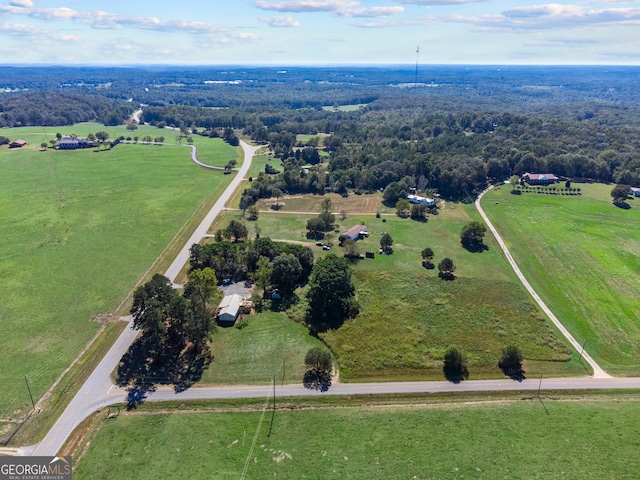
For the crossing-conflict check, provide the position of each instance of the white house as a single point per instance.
(430, 202)
(634, 191)
(229, 308)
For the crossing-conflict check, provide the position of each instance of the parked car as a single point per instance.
(326, 247)
(320, 244)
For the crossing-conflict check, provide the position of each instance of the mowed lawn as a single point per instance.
(582, 254)
(270, 344)
(409, 316)
(515, 440)
(77, 231)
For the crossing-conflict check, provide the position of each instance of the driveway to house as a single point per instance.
(597, 371)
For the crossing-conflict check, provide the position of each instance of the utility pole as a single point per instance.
(415, 87)
(582, 350)
(26, 379)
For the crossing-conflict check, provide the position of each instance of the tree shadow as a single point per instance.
(474, 247)
(514, 373)
(622, 205)
(456, 375)
(448, 276)
(428, 265)
(146, 365)
(315, 379)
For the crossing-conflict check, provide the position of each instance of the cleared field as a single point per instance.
(77, 230)
(345, 108)
(576, 440)
(409, 316)
(311, 203)
(582, 254)
(270, 344)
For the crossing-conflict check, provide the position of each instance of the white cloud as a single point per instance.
(22, 3)
(371, 12)
(549, 16)
(286, 21)
(109, 21)
(306, 5)
(18, 30)
(439, 2)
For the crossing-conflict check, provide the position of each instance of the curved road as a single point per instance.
(597, 371)
(99, 392)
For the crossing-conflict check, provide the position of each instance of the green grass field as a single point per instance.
(514, 440)
(582, 255)
(216, 152)
(345, 108)
(270, 344)
(77, 230)
(409, 316)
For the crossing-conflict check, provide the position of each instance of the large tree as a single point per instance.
(511, 362)
(386, 241)
(446, 268)
(620, 194)
(472, 236)
(427, 256)
(454, 365)
(202, 285)
(286, 273)
(319, 365)
(150, 308)
(331, 294)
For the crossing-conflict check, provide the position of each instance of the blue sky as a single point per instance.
(306, 32)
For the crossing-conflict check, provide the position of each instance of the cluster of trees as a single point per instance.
(173, 344)
(324, 222)
(58, 109)
(455, 367)
(283, 266)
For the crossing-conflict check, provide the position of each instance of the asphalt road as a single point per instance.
(597, 371)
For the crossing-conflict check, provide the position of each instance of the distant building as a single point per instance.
(430, 202)
(635, 191)
(540, 178)
(355, 233)
(72, 142)
(229, 309)
(17, 144)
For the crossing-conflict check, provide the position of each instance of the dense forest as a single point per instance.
(444, 129)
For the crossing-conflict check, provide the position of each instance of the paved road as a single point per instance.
(201, 231)
(94, 393)
(597, 371)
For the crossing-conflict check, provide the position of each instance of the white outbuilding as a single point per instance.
(229, 308)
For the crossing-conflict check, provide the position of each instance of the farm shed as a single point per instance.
(229, 308)
(354, 233)
(17, 144)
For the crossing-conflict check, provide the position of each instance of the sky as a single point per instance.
(319, 32)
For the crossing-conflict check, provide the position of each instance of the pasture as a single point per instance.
(409, 316)
(582, 255)
(78, 229)
(586, 439)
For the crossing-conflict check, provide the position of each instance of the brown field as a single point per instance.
(311, 203)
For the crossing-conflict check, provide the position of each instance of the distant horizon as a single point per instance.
(316, 65)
